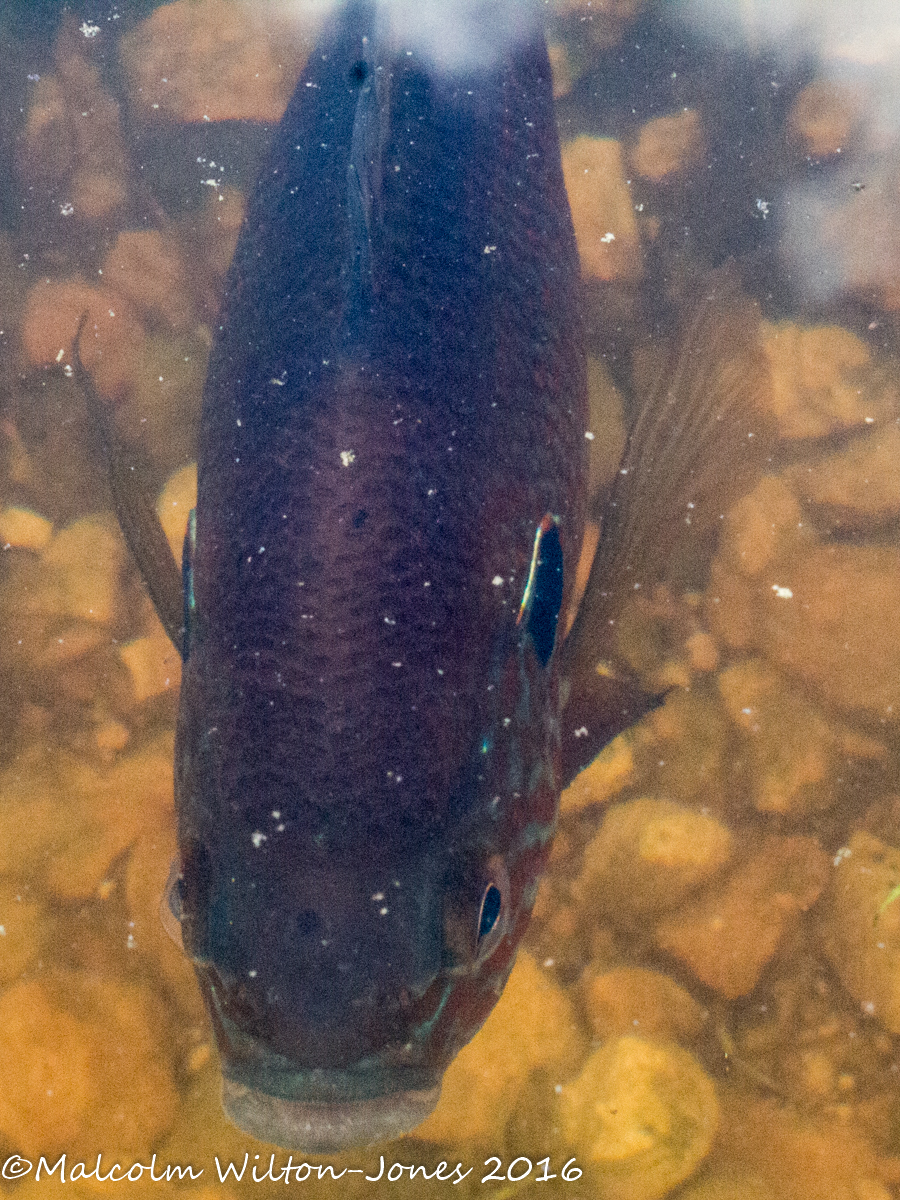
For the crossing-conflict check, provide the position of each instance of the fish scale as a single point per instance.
(395, 404)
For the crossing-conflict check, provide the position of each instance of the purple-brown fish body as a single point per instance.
(390, 508)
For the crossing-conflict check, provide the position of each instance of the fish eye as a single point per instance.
(170, 905)
(542, 600)
(493, 911)
(491, 903)
(477, 915)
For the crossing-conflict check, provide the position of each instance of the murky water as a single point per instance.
(709, 996)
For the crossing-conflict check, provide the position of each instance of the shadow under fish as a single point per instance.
(391, 493)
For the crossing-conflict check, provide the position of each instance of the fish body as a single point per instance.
(390, 506)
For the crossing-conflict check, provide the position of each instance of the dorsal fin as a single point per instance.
(365, 169)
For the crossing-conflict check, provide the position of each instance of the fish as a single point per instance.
(377, 711)
(390, 506)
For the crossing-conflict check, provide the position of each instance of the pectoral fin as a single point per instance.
(700, 441)
(136, 512)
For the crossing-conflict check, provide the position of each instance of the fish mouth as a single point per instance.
(325, 1127)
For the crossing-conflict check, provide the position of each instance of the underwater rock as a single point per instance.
(761, 527)
(602, 210)
(815, 373)
(207, 60)
(85, 561)
(153, 664)
(684, 750)
(796, 754)
(633, 1000)
(71, 153)
(668, 145)
(173, 506)
(83, 1067)
(837, 628)
(647, 856)
(797, 1155)
(824, 117)
(561, 68)
(727, 936)
(147, 267)
(161, 411)
(104, 813)
(729, 1185)
(22, 529)
(110, 341)
(825, 613)
(602, 23)
(860, 926)
(65, 821)
(533, 1026)
(858, 487)
(23, 921)
(610, 772)
(642, 1116)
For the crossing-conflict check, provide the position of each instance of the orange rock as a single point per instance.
(796, 754)
(641, 1115)
(861, 485)
(48, 152)
(647, 856)
(206, 60)
(174, 504)
(110, 340)
(605, 21)
(826, 613)
(761, 527)
(610, 772)
(532, 1026)
(816, 377)
(23, 921)
(83, 1067)
(559, 65)
(153, 664)
(632, 1000)
(72, 137)
(729, 934)
(96, 194)
(147, 267)
(668, 145)
(798, 1156)
(684, 750)
(860, 927)
(602, 212)
(823, 118)
(66, 822)
(837, 628)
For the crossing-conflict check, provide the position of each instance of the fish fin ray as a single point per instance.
(702, 436)
(136, 513)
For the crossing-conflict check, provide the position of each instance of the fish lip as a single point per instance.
(325, 1127)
